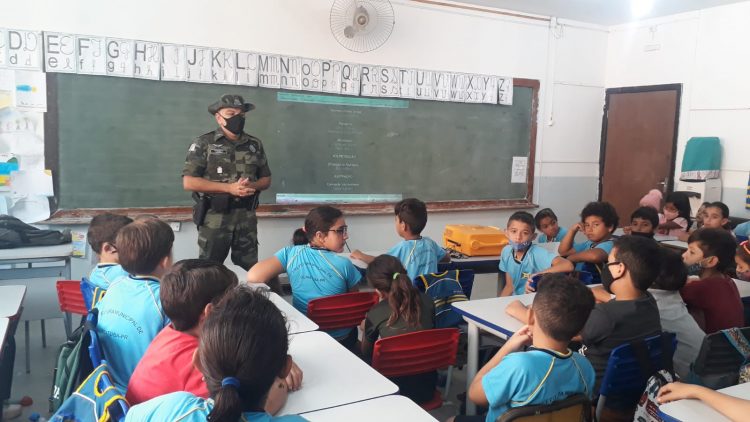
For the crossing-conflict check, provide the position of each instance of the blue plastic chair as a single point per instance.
(630, 366)
(95, 348)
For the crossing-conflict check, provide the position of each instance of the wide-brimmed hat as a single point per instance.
(230, 101)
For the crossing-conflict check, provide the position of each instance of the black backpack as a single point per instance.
(14, 233)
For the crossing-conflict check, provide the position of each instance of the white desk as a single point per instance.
(296, 320)
(36, 255)
(657, 237)
(388, 408)
(480, 264)
(695, 410)
(675, 244)
(11, 299)
(333, 376)
(357, 263)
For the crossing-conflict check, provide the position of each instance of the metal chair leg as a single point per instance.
(68, 323)
(28, 347)
(44, 336)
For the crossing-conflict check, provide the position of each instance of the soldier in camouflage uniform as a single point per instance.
(226, 169)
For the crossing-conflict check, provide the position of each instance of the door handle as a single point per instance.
(663, 184)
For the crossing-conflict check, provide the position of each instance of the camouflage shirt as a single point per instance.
(214, 157)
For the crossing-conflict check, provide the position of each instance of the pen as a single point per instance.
(347, 247)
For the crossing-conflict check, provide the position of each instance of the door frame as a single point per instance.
(605, 123)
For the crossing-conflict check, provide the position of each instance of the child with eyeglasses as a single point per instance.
(314, 268)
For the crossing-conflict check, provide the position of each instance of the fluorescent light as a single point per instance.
(641, 8)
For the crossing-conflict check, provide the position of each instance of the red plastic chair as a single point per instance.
(346, 310)
(417, 353)
(71, 301)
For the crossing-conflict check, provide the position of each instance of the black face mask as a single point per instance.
(235, 124)
(646, 235)
(607, 279)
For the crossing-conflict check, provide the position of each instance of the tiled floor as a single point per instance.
(38, 382)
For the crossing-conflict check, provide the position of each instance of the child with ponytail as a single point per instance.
(402, 309)
(242, 355)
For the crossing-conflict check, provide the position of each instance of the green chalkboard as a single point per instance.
(121, 142)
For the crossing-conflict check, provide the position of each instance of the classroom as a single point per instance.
(480, 108)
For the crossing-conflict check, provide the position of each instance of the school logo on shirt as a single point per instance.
(525, 275)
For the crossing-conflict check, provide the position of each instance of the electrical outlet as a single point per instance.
(175, 225)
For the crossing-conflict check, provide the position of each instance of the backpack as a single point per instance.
(14, 233)
(647, 409)
(73, 363)
(444, 289)
(736, 339)
(92, 294)
(97, 399)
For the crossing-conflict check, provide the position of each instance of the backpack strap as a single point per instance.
(738, 340)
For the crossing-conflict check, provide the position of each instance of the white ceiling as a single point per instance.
(603, 12)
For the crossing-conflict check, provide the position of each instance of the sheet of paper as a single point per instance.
(31, 209)
(31, 182)
(7, 88)
(31, 90)
(520, 164)
(79, 244)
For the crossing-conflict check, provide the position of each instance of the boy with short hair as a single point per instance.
(521, 259)
(633, 264)
(420, 255)
(186, 292)
(101, 237)
(713, 298)
(643, 222)
(598, 222)
(548, 371)
(131, 314)
(674, 315)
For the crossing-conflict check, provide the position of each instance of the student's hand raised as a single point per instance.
(519, 339)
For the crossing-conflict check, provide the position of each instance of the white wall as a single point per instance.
(706, 51)
(568, 59)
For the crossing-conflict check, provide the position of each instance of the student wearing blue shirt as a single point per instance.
(521, 259)
(315, 269)
(535, 366)
(598, 222)
(242, 355)
(419, 255)
(130, 314)
(101, 237)
(546, 222)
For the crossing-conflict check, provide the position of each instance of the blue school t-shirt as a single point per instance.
(186, 407)
(315, 272)
(534, 260)
(103, 275)
(130, 316)
(536, 377)
(419, 256)
(594, 269)
(560, 234)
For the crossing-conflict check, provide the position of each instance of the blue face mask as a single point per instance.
(522, 246)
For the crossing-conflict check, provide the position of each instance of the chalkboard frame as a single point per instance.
(84, 215)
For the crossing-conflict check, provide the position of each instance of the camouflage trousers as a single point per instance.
(237, 229)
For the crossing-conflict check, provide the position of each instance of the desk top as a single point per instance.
(37, 252)
(676, 244)
(657, 237)
(11, 298)
(296, 320)
(333, 376)
(489, 314)
(388, 408)
(695, 410)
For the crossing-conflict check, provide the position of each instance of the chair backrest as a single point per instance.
(346, 310)
(95, 347)
(445, 289)
(718, 362)
(92, 294)
(576, 408)
(626, 374)
(70, 297)
(415, 353)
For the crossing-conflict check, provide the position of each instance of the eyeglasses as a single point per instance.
(609, 264)
(341, 230)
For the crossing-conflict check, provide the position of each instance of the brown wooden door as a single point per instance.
(639, 137)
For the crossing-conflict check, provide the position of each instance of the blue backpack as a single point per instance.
(95, 400)
(445, 289)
